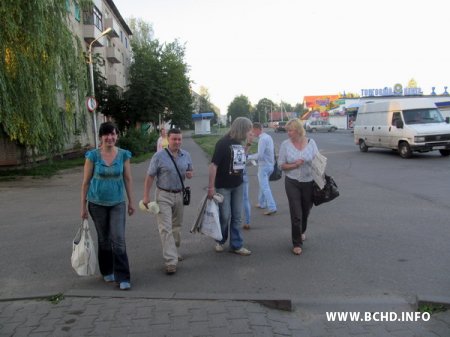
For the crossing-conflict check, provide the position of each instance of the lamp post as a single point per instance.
(91, 73)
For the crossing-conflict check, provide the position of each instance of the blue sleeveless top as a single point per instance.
(107, 186)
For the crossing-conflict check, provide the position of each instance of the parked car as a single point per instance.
(314, 126)
(281, 126)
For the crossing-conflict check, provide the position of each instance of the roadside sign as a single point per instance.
(91, 103)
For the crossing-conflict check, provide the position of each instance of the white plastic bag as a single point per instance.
(84, 257)
(211, 223)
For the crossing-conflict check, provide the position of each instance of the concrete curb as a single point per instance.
(430, 300)
(278, 302)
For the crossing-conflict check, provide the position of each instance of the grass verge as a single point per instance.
(48, 169)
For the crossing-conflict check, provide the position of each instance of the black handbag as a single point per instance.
(187, 189)
(277, 173)
(327, 193)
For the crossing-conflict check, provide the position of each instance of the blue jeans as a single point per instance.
(246, 198)
(112, 253)
(230, 215)
(265, 198)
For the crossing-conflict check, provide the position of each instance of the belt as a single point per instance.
(170, 191)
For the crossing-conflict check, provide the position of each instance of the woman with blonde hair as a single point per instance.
(295, 158)
(163, 141)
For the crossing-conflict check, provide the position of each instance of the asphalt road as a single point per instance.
(385, 237)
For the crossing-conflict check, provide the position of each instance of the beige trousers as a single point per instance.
(169, 219)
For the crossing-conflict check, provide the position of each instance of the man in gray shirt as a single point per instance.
(169, 195)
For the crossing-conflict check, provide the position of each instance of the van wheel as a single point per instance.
(362, 146)
(332, 129)
(404, 150)
(445, 153)
(313, 130)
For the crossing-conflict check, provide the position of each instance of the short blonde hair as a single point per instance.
(239, 128)
(296, 125)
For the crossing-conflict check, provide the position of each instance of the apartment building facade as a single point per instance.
(113, 48)
(115, 51)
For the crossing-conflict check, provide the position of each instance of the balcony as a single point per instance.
(90, 33)
(110, 22)
(112, 55)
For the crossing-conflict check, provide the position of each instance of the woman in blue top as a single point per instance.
(295, 158)
(107, 175)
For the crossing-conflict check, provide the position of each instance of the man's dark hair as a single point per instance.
(257, 125)
(176, 131)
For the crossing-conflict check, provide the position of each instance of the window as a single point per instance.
(98, 19)
(121, 36)
(77, 11)
(68, 5)
(395, 117)
(126, 42)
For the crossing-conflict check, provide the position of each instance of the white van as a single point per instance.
(406, 125)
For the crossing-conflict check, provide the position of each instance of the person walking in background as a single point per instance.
(107, 175)
(295, 158)
(225, 177)
(245, 179)
(266, 160)
(169, 195)
(162, 142)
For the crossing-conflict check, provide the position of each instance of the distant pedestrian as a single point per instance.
(162, 142)
(245, 179)
(107, 175)
(169, 195)
(225, 177)
(296, 155)
(266, 160)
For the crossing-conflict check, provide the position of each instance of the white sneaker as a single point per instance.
(242, 251)
(219, 248)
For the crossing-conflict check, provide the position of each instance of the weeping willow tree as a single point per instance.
(42, 73)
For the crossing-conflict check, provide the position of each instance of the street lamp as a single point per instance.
(91, 73)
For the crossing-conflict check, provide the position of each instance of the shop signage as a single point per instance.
(397, 90)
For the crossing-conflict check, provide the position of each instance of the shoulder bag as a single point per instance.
(327, 193)
(84, 258)
(277, 173)
(187, 189)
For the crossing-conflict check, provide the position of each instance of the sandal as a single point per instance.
(297, 250)
(246, 226)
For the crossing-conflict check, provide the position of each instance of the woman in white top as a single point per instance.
(295, 157)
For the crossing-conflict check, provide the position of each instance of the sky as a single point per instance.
(287, 49)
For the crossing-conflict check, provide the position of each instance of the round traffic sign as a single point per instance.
(91, 103)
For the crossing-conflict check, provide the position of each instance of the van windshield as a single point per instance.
(422, 116)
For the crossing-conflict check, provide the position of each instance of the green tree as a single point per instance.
(158, 80)
(299, 108)
(145, 96)
(205, 105)
(114, 106)
(177, 93)
(42, 74)
(239, 107)
(262, 110)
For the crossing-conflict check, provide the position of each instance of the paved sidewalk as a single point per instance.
(141, 317)
(161, 305)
